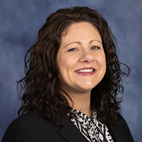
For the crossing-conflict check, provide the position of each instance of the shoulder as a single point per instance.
(31, 120)
(121, 130)
(29, 127)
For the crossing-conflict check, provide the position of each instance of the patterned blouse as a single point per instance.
(91, 128)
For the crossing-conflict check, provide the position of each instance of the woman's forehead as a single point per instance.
(80, 32)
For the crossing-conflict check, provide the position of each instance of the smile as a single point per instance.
(86, 71)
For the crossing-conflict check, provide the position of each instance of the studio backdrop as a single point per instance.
(20, 21)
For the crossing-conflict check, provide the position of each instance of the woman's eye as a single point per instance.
(96, 47)
(72, 49)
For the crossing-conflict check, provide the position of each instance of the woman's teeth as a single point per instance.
(86, 70)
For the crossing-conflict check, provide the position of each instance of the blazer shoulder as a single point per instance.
(121, 132)
(29, 127)
(19, 128)
(29, 120)
(125, 129)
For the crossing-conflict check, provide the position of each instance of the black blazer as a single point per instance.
(32, 127)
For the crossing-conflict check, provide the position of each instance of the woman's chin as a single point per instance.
(87, 86)
(86, 89)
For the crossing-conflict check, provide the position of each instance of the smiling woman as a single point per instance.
(71, 83)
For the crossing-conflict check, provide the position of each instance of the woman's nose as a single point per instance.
(86, 57)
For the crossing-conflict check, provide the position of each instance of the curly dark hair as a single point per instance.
(41, 80)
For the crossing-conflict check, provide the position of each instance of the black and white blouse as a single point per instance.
(91, 128)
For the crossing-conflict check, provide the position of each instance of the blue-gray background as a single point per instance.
(20, 21)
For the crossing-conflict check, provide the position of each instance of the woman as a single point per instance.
(71, 84)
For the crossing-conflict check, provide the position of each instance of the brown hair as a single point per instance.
(41, 82)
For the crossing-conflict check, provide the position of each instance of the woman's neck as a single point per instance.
(84, 110)
(81, 102)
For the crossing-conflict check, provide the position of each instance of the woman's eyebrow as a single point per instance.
(95, 41)
(78, 42)
(73, 42)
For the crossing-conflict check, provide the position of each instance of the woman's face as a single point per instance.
(81, 58)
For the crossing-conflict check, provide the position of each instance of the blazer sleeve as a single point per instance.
(15, 133)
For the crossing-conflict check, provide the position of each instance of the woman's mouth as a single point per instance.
(86, 72)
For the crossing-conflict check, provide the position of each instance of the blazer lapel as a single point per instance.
(70, 132)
